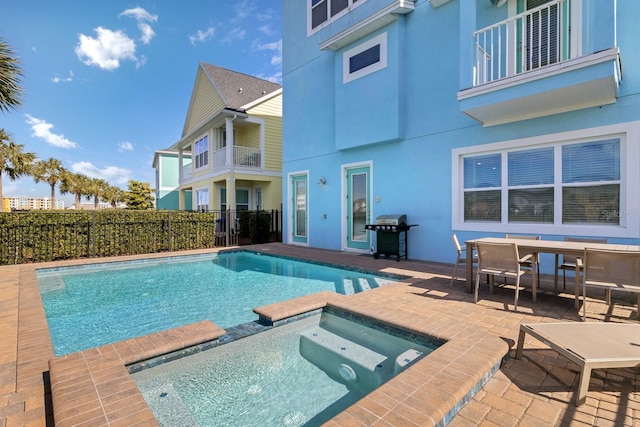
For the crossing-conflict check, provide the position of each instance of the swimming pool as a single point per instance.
(302, 373)
(92, 305)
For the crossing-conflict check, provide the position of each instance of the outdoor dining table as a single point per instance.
(536, 247)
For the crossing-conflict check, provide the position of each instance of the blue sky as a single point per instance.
(108, 82)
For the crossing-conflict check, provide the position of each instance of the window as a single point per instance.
(322, 11)
(530, 185)
(202, 200)
(242, 199)
(579, 182)
(365, 59)
(591, 182)
(201, 152)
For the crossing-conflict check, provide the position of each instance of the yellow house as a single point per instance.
(230, 152)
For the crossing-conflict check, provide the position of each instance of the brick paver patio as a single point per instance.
(535, 391)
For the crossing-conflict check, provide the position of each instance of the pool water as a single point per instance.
(302, 373)
(93, 305)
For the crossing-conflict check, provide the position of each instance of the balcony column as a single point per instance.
(180, 177)
(467, 11)
(228, 122)
(181, 200)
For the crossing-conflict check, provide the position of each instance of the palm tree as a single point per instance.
(10, 73)
(76, 184)
(96, 189)
(113, 195)
(51, 172)
(13, 161)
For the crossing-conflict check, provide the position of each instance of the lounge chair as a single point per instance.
(591, 345)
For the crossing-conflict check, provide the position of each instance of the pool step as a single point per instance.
(345, 361)
(348, 286)
(168, 407)
(364, 284)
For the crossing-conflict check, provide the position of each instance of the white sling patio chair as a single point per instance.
(611, 270)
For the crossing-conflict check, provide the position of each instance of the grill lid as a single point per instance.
(391, 220)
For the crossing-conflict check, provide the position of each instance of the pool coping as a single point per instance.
(429, 392)
(440, 384)
(94, 386)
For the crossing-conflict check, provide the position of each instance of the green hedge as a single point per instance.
(38, 236)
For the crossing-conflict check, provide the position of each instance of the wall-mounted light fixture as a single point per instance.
(322, 180)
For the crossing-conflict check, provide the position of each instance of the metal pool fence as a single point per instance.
(39, 236)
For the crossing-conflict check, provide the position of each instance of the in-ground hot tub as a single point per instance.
(303, 372)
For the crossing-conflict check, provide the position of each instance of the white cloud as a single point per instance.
(111, 174)
(107, 50)
(275, 47)
(143, 17)
(147, 32)
(42, 130)
(267, 30)
(140, 14)
(201, 36)
(125, 146)
(275, 78)
(234, 34)
(244, 9)
(69, 78)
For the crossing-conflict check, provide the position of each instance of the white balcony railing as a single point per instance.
(524, 42)
(242, 156)
(186, 171)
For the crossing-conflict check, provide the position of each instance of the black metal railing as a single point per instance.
(38, 236)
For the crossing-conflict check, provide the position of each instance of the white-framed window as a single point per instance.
(579, 182)
(322, 12)
(201, 152)
(242, 199)
(366, 58)
(202, 200)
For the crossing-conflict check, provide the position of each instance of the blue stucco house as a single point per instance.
(475, 117)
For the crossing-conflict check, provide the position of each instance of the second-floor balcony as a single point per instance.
(239, 156)
(222, 160)
(541, 62)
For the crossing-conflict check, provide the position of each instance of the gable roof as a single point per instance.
(235, 88)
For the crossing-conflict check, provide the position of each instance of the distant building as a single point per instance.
(90, 206)
(30, 203)
(166, 163)
(230, 153)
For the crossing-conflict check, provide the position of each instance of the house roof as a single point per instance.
(237, 89)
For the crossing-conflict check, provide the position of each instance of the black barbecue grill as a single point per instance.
(391, 235)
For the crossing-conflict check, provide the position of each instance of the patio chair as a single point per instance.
(569, 262)
(528, 264)
(591, 345)
(611, 270)
(461, 257)
(499, 259)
